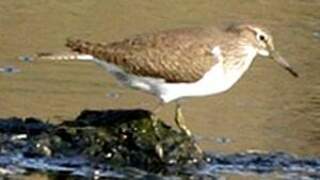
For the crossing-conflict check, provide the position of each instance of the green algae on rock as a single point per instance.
(119, 138)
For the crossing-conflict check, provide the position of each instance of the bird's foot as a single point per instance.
(179, 120)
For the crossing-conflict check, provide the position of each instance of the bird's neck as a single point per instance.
(234, 67)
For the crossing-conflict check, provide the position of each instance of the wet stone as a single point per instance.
(129, 144)
(113, 95)
(223, 140)
(117, 138)
(317, 34)
(9, 70)
(26, 58)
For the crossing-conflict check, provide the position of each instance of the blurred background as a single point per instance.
(267, 110)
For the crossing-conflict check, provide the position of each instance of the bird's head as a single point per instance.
(261, 39)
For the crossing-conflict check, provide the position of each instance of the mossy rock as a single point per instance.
(120, 138)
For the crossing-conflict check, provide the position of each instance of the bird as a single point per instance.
(184, 62)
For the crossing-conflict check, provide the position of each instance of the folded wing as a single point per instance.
(181, 55)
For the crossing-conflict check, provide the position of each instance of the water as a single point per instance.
(275, 165)
(267, 110)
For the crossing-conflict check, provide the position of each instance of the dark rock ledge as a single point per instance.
(117, 138)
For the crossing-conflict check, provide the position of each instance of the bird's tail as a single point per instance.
(81, 50)
(85, 47)
(64, 56)
(79, 46)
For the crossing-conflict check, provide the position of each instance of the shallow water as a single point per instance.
(268, 110)
(254, 166)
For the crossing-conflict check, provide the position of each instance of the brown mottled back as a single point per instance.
(181, 55)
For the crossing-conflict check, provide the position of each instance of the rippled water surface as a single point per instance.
(268, 110)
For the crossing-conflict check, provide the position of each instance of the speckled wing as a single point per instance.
(181, 55)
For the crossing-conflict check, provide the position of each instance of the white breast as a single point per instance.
(216, 80)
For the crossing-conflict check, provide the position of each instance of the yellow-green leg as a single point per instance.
(179, 120)
(158, 147)
(158, 107)
(154, 111)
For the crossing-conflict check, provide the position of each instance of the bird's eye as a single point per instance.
(262, 37)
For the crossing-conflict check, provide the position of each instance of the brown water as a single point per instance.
(267, 110)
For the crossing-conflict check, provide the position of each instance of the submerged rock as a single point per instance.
(9, 70)
(119, 138)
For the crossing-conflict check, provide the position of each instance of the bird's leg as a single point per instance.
(155, 121)
(179, 120)
(155, 111)
(158, 107)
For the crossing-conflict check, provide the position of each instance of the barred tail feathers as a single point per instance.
(85, 47)
(81, 50)
(65, 56)
(78, 45)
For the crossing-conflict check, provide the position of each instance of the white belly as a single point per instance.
(213, 82)
(216, 80)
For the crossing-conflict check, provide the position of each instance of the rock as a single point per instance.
(130, 144)
(9, 70)
(120, 138)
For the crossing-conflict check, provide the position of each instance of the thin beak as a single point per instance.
(283, 63)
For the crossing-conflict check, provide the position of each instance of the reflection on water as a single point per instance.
(267, 110)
